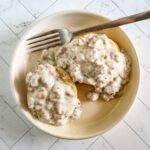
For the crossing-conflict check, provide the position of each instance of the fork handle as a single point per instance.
(116, 23)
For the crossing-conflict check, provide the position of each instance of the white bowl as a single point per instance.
(97, 117)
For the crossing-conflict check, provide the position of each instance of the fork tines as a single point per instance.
(44, 40)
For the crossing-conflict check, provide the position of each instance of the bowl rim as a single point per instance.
(63, 12)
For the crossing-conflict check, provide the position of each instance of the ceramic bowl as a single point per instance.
(97, 117)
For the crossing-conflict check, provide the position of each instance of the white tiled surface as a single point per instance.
(17, 133)
(3, 146)
(34, 139)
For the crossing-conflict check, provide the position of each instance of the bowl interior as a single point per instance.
(97, 117)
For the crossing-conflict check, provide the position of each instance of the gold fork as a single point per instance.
(59, 37)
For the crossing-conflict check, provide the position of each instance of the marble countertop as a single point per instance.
(16, 133)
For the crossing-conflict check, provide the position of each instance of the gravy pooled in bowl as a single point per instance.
(93, 59)
(51, 95)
